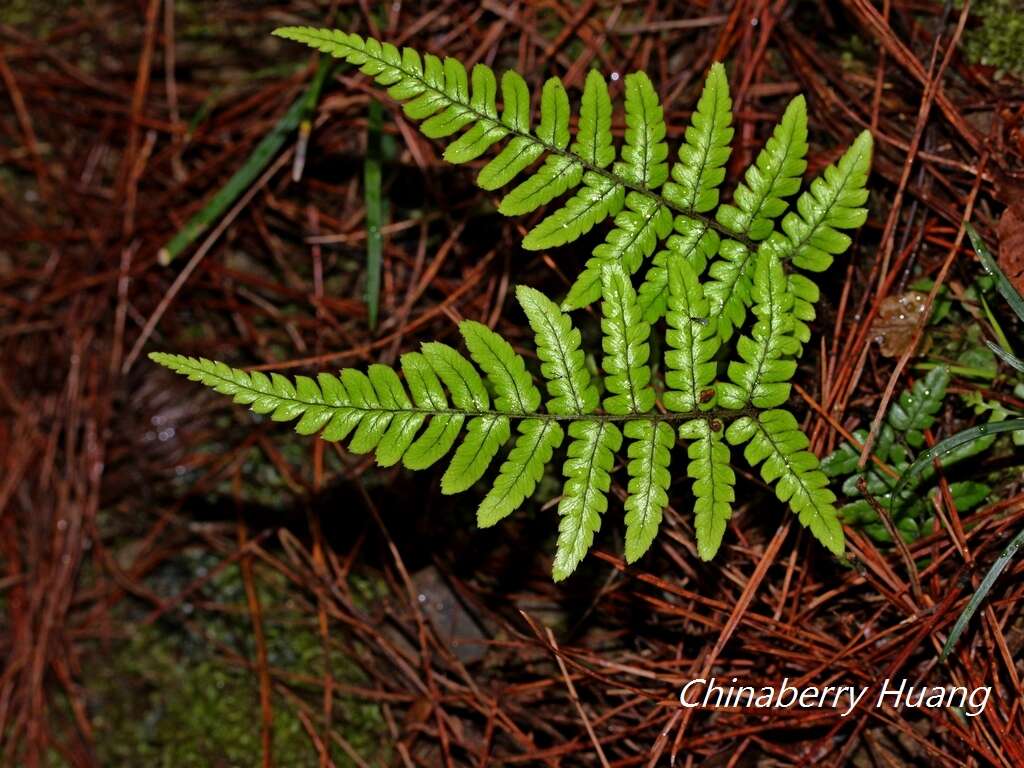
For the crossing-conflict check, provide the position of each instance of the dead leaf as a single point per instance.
(1011, 243)
(896, 320)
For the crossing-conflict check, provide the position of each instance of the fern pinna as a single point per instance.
(710, 266)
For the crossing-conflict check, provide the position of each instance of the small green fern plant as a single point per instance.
(900, 440)
(711, 267)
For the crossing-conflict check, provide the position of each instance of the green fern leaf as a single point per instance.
(644, 222)
(484, 436)
(558, 347)
(459, 375)
(713, 483)
(812, 238)
(522, 150)
(483, 134)
(834, 201)
(598, 198)
(729, 287)
(594, 137)
(774, 176)
(626, 352)
(695, 244)
(559, 172)
(701, 167)
(692, 343)
(643, 157)
(671, 217)
(521, 471)
(428, 395)
(775, 439)
(639, 227)
(915, 410)
(649, 454)
(763, 375)
(584, 497)
(505, 368)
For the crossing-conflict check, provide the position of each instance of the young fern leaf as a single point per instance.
(417, 418)
(762, 376)
(713, 481)
(447, 405)
(775, 439)
(693, 190)
(759, 200)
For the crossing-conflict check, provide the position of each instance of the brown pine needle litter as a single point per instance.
(182, 582)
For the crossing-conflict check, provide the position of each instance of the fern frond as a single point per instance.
(418, 417)
(639, 227)
(646, 201)
(713, 481)
(834, 201)
(447, 100)
(558, 347)
(626, 352)
(710, 265)
(429, 396)
(762, 376)
(584, 496)
(649, 454)
(645, 221)
(775, 439)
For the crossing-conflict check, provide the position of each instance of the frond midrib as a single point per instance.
(653, 416)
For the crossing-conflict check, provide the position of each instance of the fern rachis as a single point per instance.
(712, 267)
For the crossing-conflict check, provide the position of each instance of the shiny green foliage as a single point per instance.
(900, 440)
(416, 415)
(712, 268)
(775, 439)
(762, 375)
(657, 208)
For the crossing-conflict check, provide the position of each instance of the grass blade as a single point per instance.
(982, 592)
(943, 447)
(1010, 359)
(1003, 285)
(265, 151)
(374, 211)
